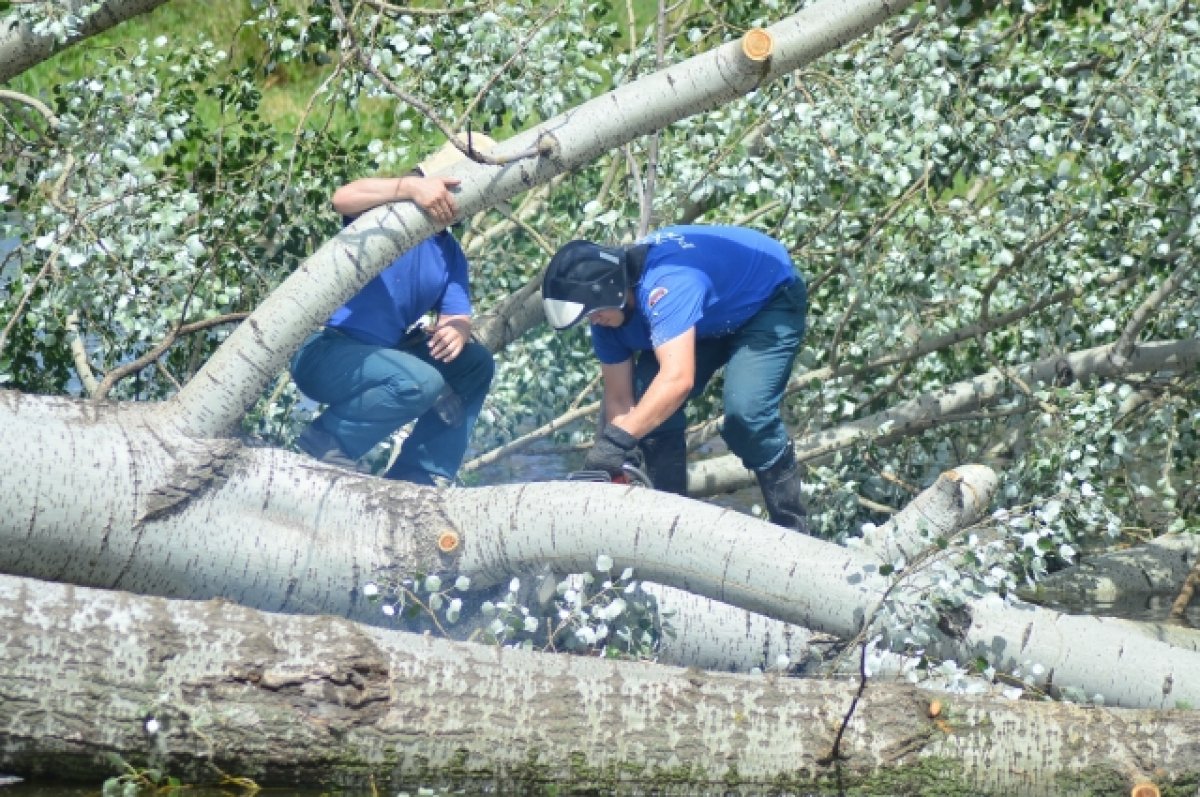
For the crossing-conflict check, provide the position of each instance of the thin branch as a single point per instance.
(423, 107)
(411, 11)
(365, 60)
(558, 424)
(1141, 316)
(1018, 262)
(134, 366)
(517, 53)
(80, 357)
(15, 96)
(646, 217)
(47, 267)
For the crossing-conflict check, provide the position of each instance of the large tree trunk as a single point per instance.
(323, 701)
(153, 500)
(106, 497)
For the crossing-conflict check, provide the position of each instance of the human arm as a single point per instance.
(430, 194)
(666, 393)
(627, 421)
(618, 388)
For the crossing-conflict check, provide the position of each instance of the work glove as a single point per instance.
(610, 451)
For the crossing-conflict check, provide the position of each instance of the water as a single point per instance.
(1151, 609)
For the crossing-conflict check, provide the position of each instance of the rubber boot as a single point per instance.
(781, 489)
(665, 459)
(321, 445)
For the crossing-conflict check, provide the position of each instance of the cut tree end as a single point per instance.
(757, 44)
(448, 541)
(1145, 790)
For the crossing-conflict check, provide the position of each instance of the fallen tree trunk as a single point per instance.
(204, 688)
(209, 518)
(726, 473)
(1157, 568)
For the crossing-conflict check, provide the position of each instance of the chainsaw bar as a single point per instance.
(631, 474)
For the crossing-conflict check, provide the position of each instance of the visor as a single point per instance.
(582, 278)
(562, 314)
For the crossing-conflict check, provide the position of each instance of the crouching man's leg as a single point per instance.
(435, 449)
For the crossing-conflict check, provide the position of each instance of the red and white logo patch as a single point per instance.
(656, 295)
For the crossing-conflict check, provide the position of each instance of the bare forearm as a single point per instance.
(661, 400)
(361, 195)
(431, 194)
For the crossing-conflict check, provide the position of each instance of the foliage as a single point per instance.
(170, 220)
(594, 614)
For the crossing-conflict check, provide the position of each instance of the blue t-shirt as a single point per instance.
(430, 276)
(708, 277)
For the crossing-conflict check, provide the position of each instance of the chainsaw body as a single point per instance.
(630, 474)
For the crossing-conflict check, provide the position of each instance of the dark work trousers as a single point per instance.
(371, 391)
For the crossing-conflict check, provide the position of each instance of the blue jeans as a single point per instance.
(371, 391)
(758, 359)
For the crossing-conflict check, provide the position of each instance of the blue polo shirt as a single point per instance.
(708, 277)
(430, 276)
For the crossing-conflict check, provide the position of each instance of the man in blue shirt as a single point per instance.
(665, 315)
(373, 364)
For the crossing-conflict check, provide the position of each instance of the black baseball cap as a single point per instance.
(583, 277)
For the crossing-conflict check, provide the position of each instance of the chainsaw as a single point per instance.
(630, 474)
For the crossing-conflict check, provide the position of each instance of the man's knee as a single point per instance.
(479, 365)
(750, 435)
(745, 419)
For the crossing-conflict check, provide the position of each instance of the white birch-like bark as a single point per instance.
(105, 497)
(726, 474)
(319, 701)
(216, 399)
(20, 49)
(713, 635)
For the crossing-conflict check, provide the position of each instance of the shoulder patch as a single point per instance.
(656, 295)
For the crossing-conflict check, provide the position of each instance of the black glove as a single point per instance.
(610, 451)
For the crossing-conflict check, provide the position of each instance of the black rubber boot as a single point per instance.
(410, 473)
(666, 461)
(780, 485)
(321, 445)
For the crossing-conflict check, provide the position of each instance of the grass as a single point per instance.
(286, 91)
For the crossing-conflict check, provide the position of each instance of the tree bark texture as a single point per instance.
(106, 497)
(324, 701)
(1157, 568)
(20, 49)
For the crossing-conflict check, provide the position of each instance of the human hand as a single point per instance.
(448, 338)
(610, 451)
(433, 195)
